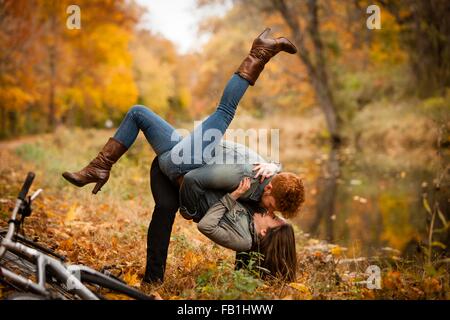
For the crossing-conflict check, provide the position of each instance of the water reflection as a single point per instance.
(326, 196)
(367, 201)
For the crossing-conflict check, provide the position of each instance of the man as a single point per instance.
(203, 187)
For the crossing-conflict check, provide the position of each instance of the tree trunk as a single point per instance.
(317, 72)
(51, 98)
(326, 196)
(12, 119)
(52, 64)
(318, 75)
(3, 121)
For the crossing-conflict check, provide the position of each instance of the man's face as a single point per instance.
(267, 200)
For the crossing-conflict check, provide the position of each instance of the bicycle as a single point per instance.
(22, 261)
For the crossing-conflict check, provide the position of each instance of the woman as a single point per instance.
(244, 227)
(168, 144)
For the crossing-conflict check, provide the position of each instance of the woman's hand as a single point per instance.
(243, 187)
(265, 170)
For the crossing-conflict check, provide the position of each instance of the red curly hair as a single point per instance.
(289, 193)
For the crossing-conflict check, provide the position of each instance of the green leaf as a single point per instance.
(442, 217)
(427, 206)
(430, 270)
(446, 260)
(438, 244)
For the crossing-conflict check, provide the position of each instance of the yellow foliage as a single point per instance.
(132, 279)
(300, 287)
(72, 213)
(154, 75)
(336, 251)
(120, 92)
(191, 260)
(397, 228)
(16, 97)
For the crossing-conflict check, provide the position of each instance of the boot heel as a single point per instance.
(98, 186)
(264, 33)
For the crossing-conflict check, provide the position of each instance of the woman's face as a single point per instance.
(264, 222)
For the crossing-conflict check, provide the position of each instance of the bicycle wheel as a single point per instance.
(25, 267)
(92, 277)
(30, 243)
(16, 263)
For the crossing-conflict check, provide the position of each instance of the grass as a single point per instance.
(109, 230)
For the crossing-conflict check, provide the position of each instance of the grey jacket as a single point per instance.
(203, 198)
(229, 224)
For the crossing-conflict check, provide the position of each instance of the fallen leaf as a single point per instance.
(131, 279)
(300, 287)
(336, 251)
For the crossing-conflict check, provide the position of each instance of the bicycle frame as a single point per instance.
(49, 264)
(44, 264)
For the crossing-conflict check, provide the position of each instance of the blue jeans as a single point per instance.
(168, 144)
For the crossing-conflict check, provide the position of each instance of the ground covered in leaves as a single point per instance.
(109, 231)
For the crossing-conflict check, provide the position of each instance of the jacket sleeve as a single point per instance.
(211, 227)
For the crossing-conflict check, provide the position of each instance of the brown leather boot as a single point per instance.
(263, 49)
(98, 169)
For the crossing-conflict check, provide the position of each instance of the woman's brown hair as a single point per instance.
(278, 252)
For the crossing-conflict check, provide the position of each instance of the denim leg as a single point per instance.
(209, 133)
(203, 187)
(160, 134)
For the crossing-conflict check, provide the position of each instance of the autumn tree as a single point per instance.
(52, 75)
(161, 75)
(313, 57)
(426, 35)
(283, 85)
(18, 38)
(99, 82)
